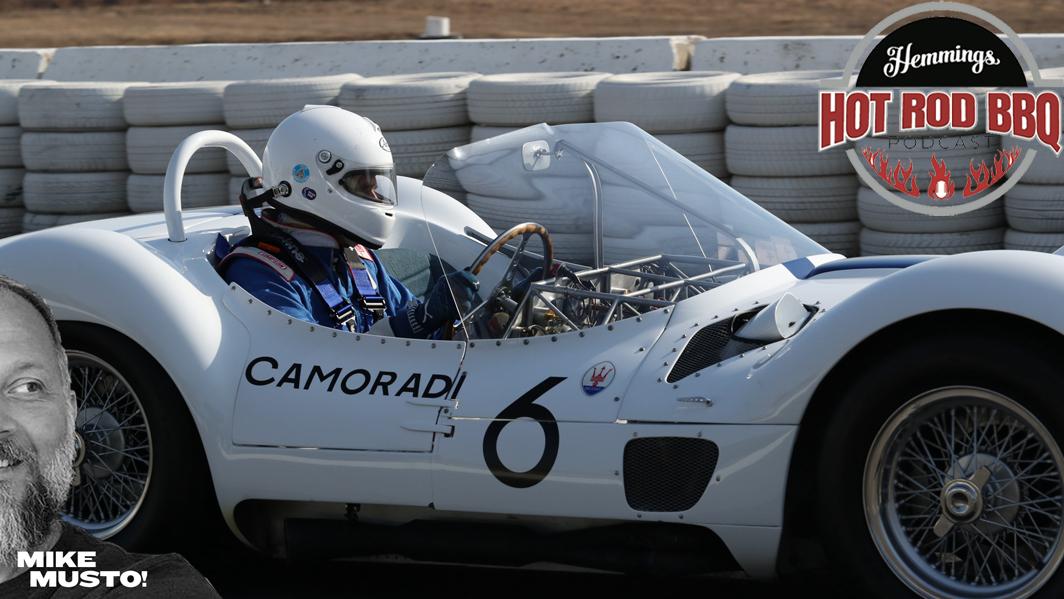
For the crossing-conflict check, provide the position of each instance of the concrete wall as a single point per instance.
(255, 61)
(613, 54)
(777, 53)
(23, 64)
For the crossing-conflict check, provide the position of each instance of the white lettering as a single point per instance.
(901, 58)
(43, 580)
(67, 569)
(28, 559)
(56, 559)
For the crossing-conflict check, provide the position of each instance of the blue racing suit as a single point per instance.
(283, 289)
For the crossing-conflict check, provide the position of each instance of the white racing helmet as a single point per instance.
(333, 169)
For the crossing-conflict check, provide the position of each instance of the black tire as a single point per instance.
(178, 503)
(1019, 365)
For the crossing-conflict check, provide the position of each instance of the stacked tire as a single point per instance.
(482, 132)
(1034, 207)
(422, 115)
(160, 116)
(772, 153)
(683, 109)
(73, 147)
(12, 210)
(891, 229)
(253, 108)
(501, 103)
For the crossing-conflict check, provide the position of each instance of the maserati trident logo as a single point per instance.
(598, 377)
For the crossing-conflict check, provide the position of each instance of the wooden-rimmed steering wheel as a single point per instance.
(525, 231)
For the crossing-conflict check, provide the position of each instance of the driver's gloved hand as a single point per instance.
(422, 319)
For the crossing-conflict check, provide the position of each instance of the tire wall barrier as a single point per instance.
(87, 132)
(12, 173)
(74, 151)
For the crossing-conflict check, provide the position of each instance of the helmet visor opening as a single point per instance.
(373, 184)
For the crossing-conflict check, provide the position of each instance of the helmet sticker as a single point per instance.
(309, 193)
(384, 145)
(324, 156)
(300, 173)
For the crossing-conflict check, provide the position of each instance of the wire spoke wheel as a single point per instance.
(114, 458)
(964, 495)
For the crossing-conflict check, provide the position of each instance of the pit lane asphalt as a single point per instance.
(269, 579)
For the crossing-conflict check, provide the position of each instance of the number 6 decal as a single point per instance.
(524, 407)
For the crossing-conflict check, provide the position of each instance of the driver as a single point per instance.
(328, 198)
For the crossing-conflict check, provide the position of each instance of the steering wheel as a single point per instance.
(525, 231)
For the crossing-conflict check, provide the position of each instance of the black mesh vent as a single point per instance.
(711, 344)
(667, 474)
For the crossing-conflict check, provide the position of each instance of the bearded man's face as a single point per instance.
(36, 429)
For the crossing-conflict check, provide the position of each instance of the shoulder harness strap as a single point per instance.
(286, 272)
(288, 258)
(369, 296)
(286, 249)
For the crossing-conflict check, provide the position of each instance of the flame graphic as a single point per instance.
(983, 177)
(902, 179)
(941, 186)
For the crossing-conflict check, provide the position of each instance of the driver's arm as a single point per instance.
(419, 320)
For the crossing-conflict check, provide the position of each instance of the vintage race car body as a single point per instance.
(659, 417)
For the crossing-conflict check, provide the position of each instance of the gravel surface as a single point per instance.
(33, 23)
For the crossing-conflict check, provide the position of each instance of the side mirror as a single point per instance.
(536, 155)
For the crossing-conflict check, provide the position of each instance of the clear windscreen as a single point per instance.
(625, 215)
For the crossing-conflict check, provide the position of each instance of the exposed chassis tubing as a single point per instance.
(630, 300)
(592, 169)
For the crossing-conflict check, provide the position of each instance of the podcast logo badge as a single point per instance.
(940, 118)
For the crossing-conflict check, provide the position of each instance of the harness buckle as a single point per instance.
(375, 304)
(345, 314)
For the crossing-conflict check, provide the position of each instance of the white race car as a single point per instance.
(695, 387)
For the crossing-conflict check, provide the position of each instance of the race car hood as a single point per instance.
(696, 361)
(820, 282)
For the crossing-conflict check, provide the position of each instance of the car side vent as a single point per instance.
(711, 344)
(667, 474)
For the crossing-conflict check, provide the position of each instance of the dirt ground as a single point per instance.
(44, 23)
